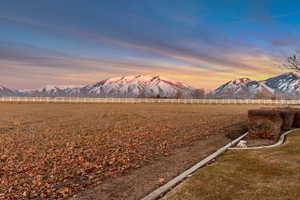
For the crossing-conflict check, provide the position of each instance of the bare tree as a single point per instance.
(278, 96)
(293, 63)
(263, 95)
(198, 94)
(179, 94)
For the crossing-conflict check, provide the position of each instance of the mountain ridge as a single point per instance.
(145, 86)
(286, 84)
(124, 86)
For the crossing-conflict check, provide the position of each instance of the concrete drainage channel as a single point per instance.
(159, 192)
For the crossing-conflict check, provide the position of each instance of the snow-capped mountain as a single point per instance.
(55, 91)
(138, 86)
(6, 92)
(127, 86)
(282, 86)
(242, 88)
(287, 85)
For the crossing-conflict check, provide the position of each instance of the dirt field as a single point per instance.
(105, 151)
(265, 174)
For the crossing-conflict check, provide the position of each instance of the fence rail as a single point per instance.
(143, 100)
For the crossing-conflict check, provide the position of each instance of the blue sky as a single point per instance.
(202, 43)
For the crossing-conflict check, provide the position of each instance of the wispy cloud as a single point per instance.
(211, 50)
(171, 40)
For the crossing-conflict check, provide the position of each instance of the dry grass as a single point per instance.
(267, 174)
(56, 150)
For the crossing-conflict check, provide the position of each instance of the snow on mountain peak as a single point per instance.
(137, 86)
(241, 88)
(242, 81)
(287, 83)
(144, 79)
(4, 91)
(51, 87)
(124, 79)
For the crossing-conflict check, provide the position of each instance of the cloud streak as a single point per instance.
(208, 51)
(142, 37)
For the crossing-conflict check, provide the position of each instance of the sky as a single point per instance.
(203, 43)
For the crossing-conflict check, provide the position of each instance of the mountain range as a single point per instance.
(286, 85)
(140, 86)
(8, 92)
(127, 86)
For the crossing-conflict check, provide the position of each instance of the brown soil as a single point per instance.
(140, 182)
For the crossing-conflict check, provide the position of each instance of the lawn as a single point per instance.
(58, 150)
(266, 174)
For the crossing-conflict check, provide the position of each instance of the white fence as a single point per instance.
(143, 100)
